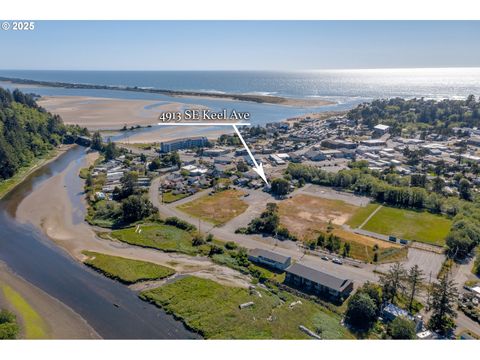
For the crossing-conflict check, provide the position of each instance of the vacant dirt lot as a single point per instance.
(305, 215)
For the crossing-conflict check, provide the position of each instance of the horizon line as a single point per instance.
(258, 70)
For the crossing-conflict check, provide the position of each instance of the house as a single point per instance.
(276, 159)
(373, 142)
(115, 175)
(338, 144)
(194, 171)
(381, 129)
(313, 280)
(269, 258)
(223, 160)
(315, 155)
(391, 312)
(215, 152)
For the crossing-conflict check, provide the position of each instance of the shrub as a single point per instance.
(402, 329)
(231, 245)
(179, 223)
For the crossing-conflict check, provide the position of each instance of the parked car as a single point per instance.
(337, 261)
(326, 258)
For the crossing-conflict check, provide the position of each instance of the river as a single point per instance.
(112, 309)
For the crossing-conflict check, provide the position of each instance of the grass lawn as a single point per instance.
(218, 208)
(410, 224)
(361, 215)
(158, 236)
(33, 325)
(126, 270)
(213, 311)
(169, 197)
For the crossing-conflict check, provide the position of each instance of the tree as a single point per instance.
(464, 189)
(198, 240)
(374, 291)
(136, 207)
(110, 150)
(402, 328)
(438, 184)
(155, 164)
(346, 249)
(97, 142)
(242, 166)
(414, 279)
(89, 180)
(9, 328)
(129, 183)
(444, 295)
(418, 180)
(280, 186)
(361, 312)
(393, 282)
(459, 244)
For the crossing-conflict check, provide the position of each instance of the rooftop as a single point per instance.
(318, 276)
(269, 255)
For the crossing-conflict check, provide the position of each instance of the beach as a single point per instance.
(59, 321)
(109, 114)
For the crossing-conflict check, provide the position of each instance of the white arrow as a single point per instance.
(258, 168)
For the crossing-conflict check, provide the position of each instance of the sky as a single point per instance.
(242, 45)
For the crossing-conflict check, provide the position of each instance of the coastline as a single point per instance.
(266, 99)
(55, 220)
(60, 321)
(9, 184)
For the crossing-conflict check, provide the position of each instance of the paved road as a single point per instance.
(332, 194)
(256, 203)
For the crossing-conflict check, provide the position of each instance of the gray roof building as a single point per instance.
(318, 281)
(269, 258)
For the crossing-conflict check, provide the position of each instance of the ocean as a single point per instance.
(346, 87)
(330, 84)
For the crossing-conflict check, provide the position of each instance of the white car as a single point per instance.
(337, 261)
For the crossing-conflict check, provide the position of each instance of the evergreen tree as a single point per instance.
(414, 279)
(393, 282)
(444, 295)
(97, 142)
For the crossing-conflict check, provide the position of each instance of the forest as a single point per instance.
(28, 131)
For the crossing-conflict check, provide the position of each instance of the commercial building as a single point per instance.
(181, 144)
(269, 258)
(312, 280)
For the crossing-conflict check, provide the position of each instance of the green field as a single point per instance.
(218, 208)
(158, 236)
(169, 197)
(361, 214)
(33, 325)
(213, 311)
(405, 224)
(126, 270)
